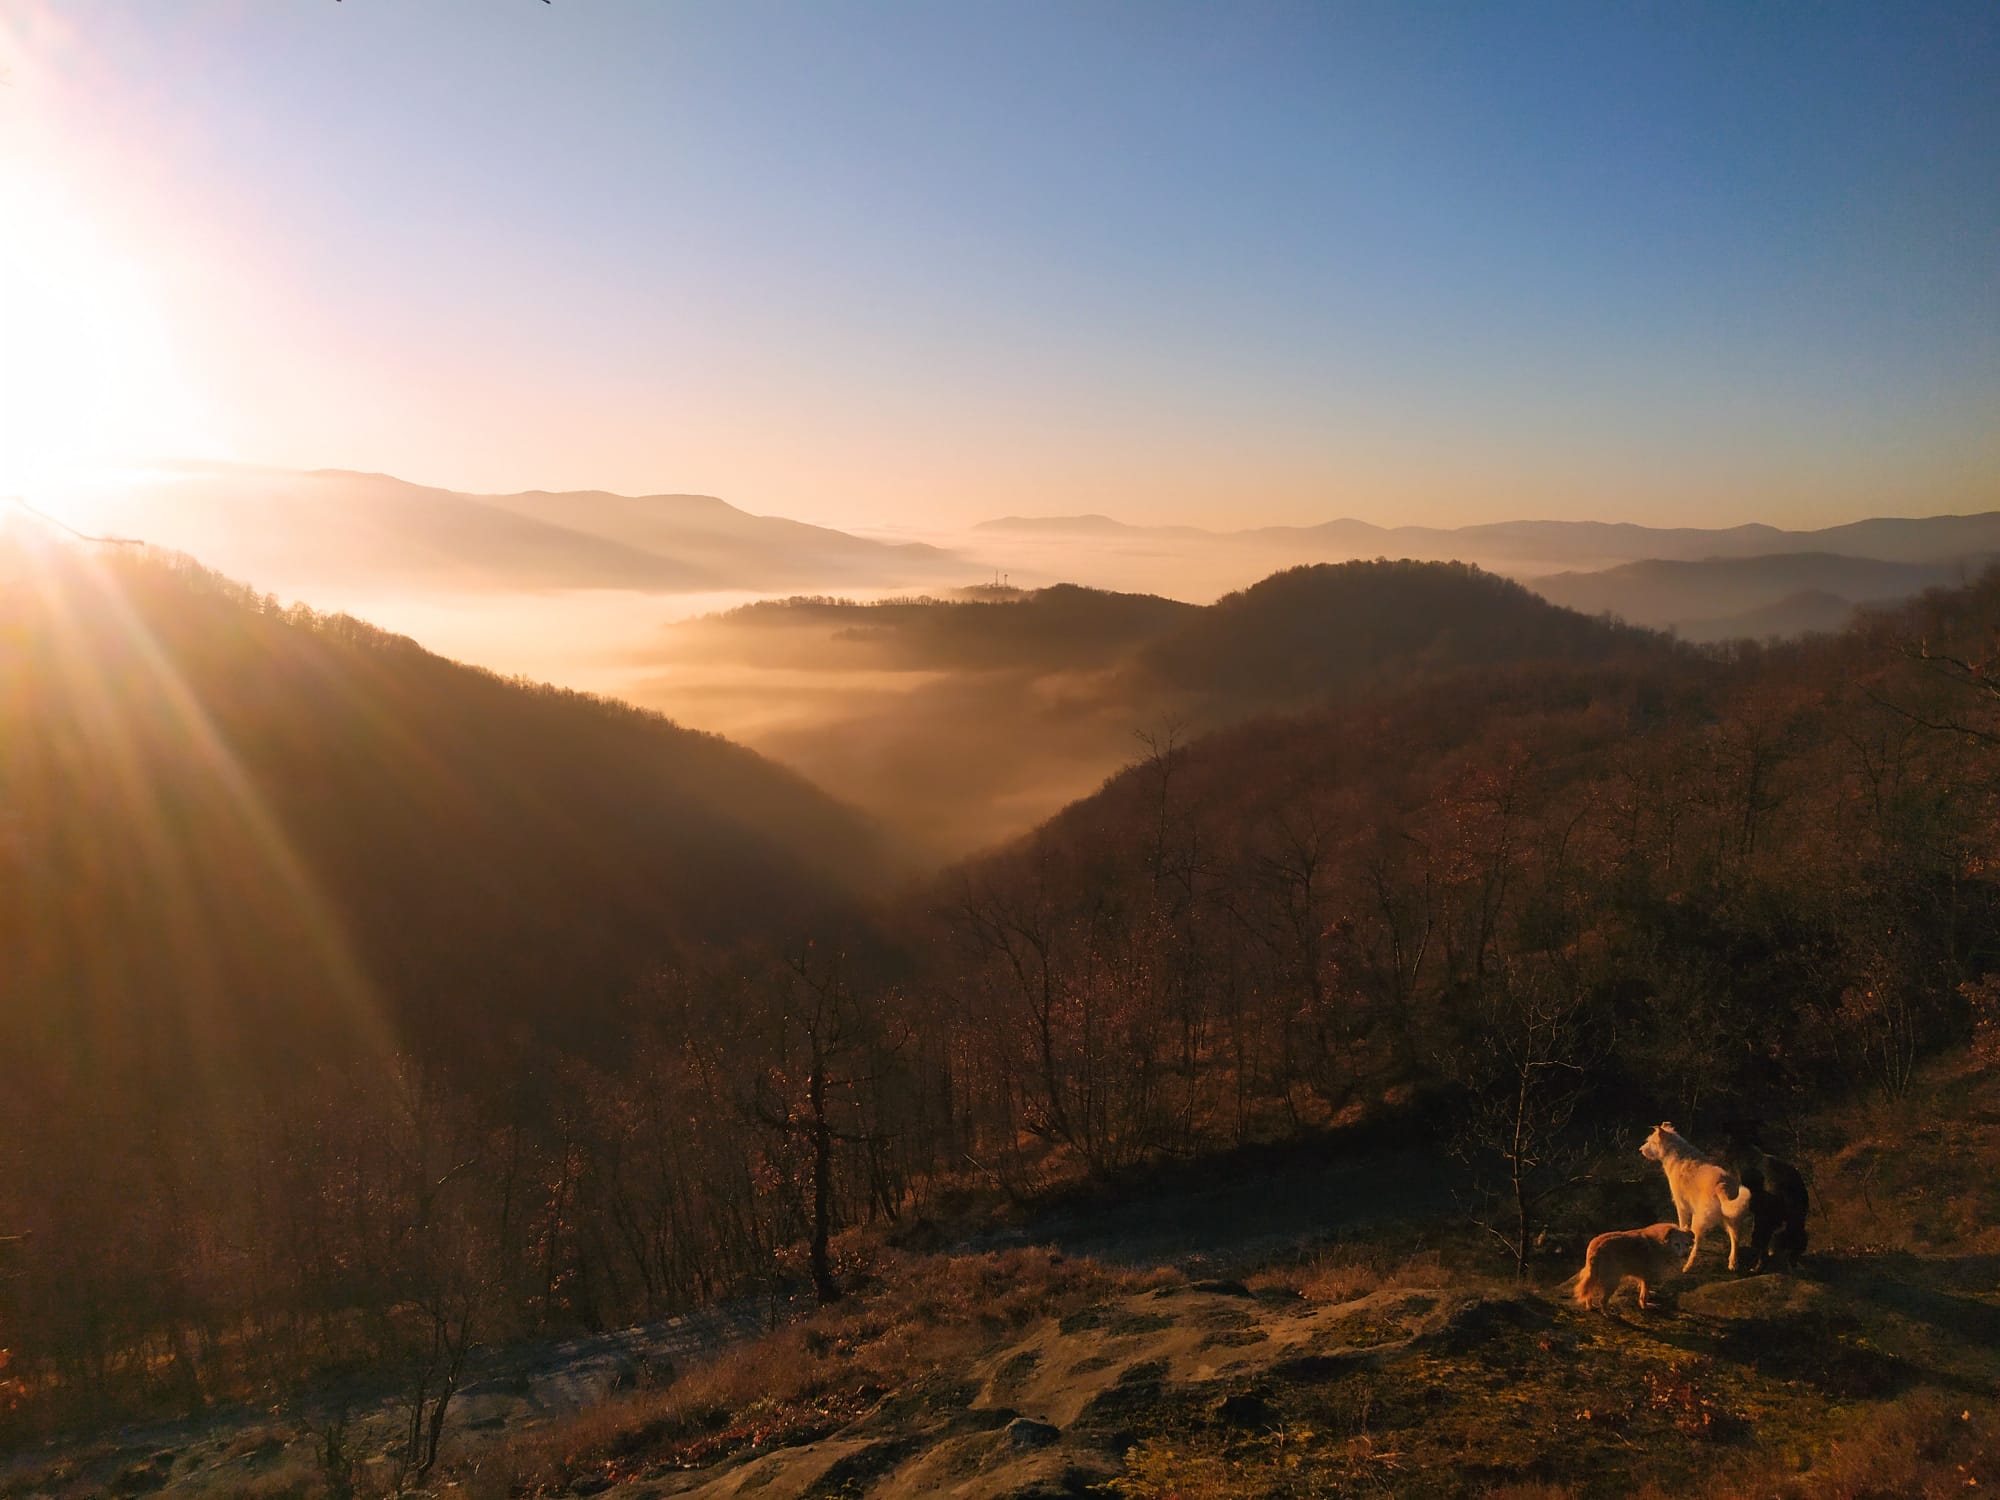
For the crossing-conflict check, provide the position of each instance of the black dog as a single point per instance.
(1778, 1206)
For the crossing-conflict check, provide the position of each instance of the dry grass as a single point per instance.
(1896, 1175)
(1160, 1471)
(1923, 1447)
(910, 1321)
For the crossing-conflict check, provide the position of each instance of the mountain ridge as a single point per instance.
(301, 531)
(1884, 538)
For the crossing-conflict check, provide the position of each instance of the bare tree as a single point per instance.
(1527, 1041)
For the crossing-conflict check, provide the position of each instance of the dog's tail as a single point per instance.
(1586, 1286)
(1735, 1197)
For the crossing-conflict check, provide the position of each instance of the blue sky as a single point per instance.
(919, 264)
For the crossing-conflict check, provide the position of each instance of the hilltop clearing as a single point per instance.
(1377, 1360)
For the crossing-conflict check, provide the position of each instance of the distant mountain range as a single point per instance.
(1721, 598)
(1552, 544)
(297, 531)
(343, 534)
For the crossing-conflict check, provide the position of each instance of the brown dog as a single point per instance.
(1642, 1255)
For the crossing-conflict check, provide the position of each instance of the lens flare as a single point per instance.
(112, 719)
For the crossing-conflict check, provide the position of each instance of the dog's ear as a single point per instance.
(1666, 1128)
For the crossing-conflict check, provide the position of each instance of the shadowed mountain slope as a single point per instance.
(251, 827)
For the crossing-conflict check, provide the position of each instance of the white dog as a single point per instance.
(1705, 1196)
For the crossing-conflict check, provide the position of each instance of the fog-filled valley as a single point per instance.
(961, 687)
(964, 721)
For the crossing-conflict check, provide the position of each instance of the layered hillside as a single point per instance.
(1726, 598)
(962, 721)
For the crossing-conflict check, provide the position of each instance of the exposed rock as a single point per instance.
(1026, 1432)
(1244, 1410)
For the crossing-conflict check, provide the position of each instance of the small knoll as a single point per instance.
(1333, 628)
(1061, 628)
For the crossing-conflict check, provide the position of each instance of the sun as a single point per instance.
(89, 379)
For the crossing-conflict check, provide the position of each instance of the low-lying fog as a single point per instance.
(957, 723)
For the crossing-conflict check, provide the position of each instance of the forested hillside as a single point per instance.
(987, 628)
(1729, 882)
(1309, 633)
(266, 876)
(1520, 902)
(214, 801)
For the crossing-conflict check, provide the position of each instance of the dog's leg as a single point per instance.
(1693, 1250)
(1729, 1228)
(1642, 1293)
(1763, 1225)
